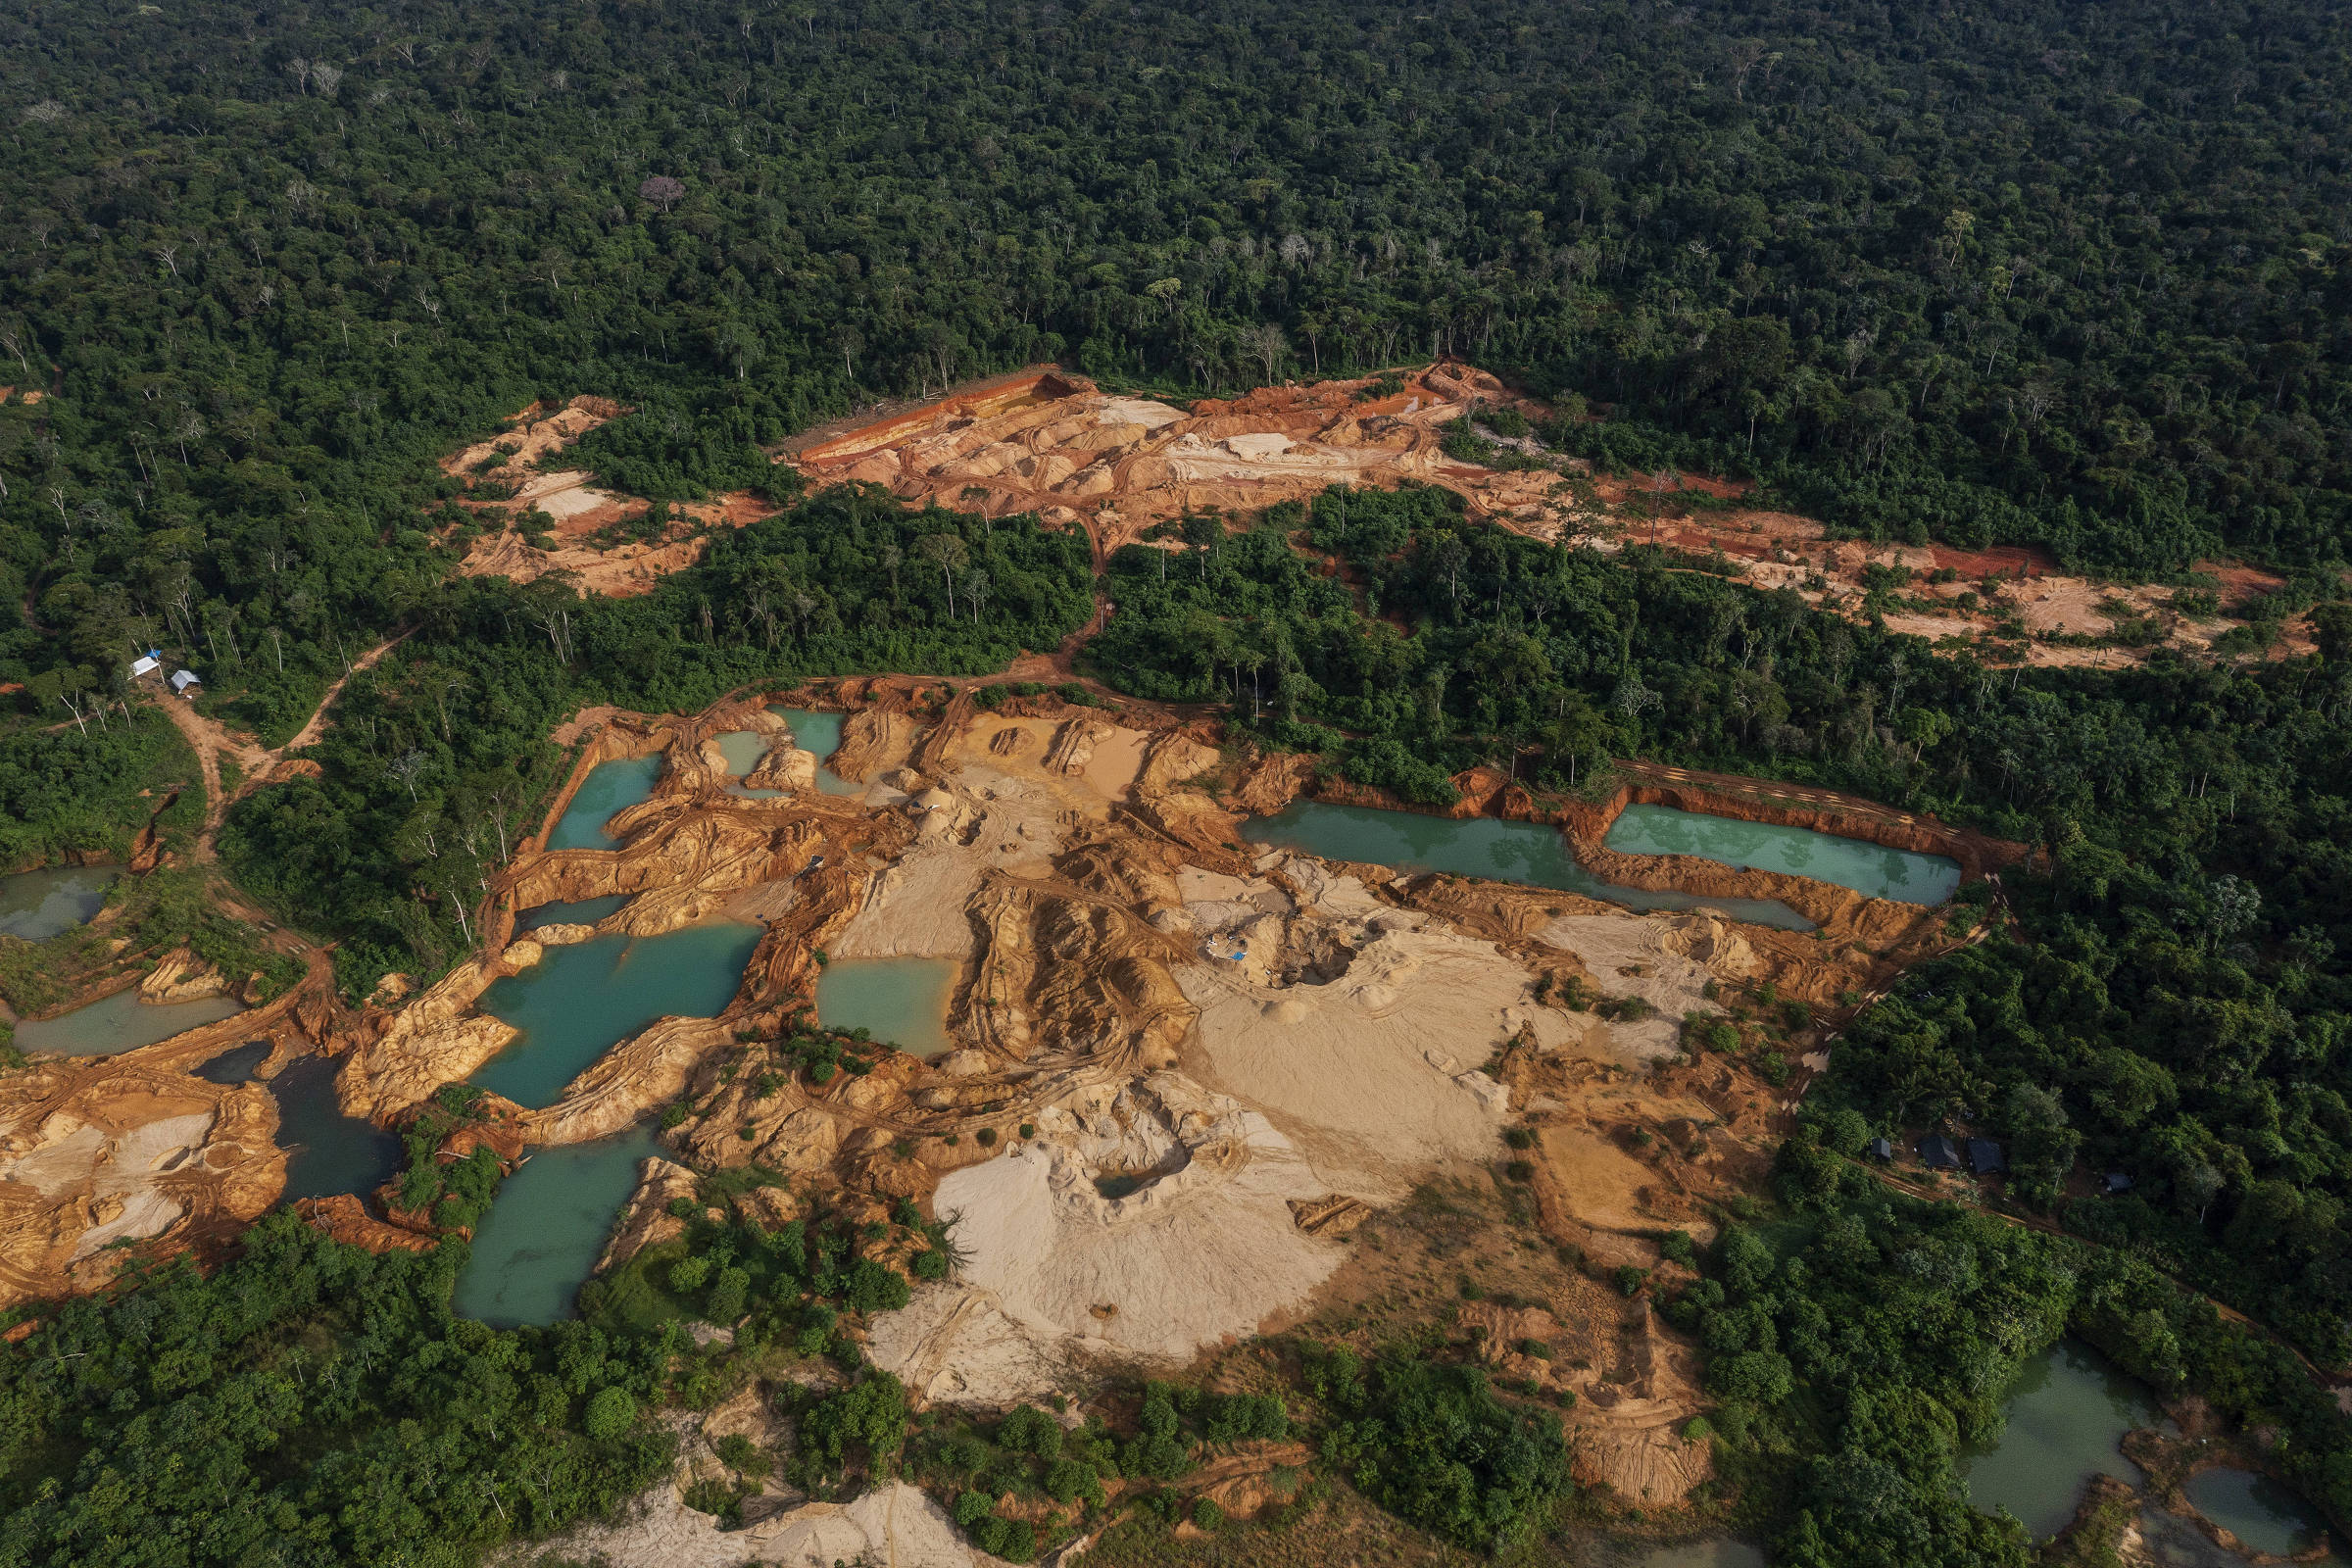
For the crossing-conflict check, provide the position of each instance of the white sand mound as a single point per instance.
(955, 1344)
(1375, 1070)
(1206, 1247)
(1665, 960)
(895, 1525)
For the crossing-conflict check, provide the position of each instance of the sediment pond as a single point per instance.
(2261, 1513)
(576, 1002)
(2068, 1411)
(546, 1228)
(812, 731)
(580, 911)
(331, 1153)
(609, 788)
(1905, 875)
(904, 1001)
(742, 750)
(120, 1022)
(1532, 854)
(37, 904)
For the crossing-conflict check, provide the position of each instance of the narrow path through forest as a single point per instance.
(210, 740)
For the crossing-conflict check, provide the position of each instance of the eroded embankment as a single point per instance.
(1181, 1069)
(108, 1159)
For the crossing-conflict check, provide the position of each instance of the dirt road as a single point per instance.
(210, 740)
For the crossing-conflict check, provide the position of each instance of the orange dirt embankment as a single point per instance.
(105, 1160)
(518, 474)
(1050, 441)
(1053, 443)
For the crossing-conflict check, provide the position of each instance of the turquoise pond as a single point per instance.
(120, 1022)
(37, 904)
(580, 911)
(812, 731)
(547, 1227)
(331, 1153)
(904, 1001)
(609, 788)
(578, 1000)
(2068, 1410)
(1528, 853)
(1869, 869)
(2261, 1512)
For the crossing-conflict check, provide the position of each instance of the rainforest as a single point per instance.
(1208, 527)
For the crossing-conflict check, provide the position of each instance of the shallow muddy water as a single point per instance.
(120, 1022)
(1868, 868)
(743, 750)
(2068, 1412)
(2261, 1512)
(1532, 854)
(609, 788)
(37, 904)
(904, 1001)
(576, 1003)
(1719, 1553)
(546, 1228)
(812, 731)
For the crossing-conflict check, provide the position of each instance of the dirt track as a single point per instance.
(210, 740)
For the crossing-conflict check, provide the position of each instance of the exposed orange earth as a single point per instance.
(1053, 443)
(515, 468)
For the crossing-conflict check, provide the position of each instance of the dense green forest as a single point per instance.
(2073, 275)
(2171, 1001)
(2066, 274)
(312, 1404)
(439, 759)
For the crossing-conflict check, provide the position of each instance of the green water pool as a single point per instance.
(576, 1003)
(609, 788)
(812, 731)
(546, 1228)
(1870, 868)
(904, 1001)
(120, 1022)
(37, 904)
(2068, 1411)
(329, 1152)
(2260, 1512)
(1528, 853)
(579, 912)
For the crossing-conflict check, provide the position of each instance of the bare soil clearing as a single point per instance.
(1181, 1075)
(517, 473)
(1052, 442)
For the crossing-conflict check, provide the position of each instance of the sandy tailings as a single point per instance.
(896, 1524)
(1056, 445)
(1363, 1026)
(1178, 1077)
(1199, 1244)
(125, 1149)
